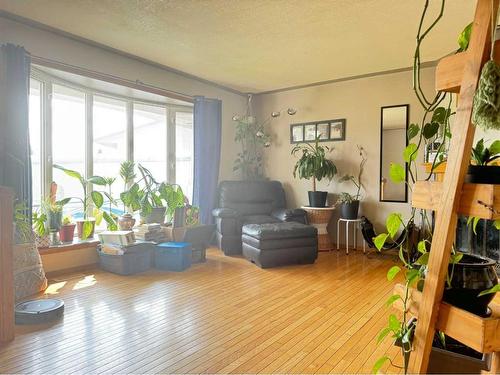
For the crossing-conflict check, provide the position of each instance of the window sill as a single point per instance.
(76, 245)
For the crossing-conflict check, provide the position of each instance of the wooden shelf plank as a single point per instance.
(427, 194)
(481, 334)
(450, 69)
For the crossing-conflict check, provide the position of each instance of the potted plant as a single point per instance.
(42, 238)
(349, 204)
(482, 172)
(67, 230)
(126, 221)
(313, 164)
(85, 227)
(154, 200)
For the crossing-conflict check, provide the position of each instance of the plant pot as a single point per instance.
(42, 241)
(79, 228)
(157, 215)
(126, 222)
(471, 275)
(67, 233)
(455, 358)
(54, 220)
(349, 211)
(483, 174)
(317, 198)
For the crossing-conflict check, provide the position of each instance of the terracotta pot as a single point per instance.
(79, 228)
(126, 222)
(67, 233)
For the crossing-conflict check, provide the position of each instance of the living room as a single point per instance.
(171, 166)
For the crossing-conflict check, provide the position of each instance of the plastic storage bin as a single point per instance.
(137, 258)
(173, 256)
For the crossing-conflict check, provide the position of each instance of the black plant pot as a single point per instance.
(157, 215)
(483, 174)
(471, 276)
(349, 211)
(317, 198)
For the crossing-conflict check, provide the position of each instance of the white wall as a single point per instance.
(62, 49)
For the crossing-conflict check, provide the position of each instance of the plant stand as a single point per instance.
(356, 226)
(457, 73)
(320, 217)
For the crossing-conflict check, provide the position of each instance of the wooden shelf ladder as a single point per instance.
(457, 73)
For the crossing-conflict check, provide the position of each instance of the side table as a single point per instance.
(357, 226)
(319, 217)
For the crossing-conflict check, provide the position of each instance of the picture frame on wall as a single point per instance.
(337, 130)
(325, 131)
(297, 133)
(309, 132)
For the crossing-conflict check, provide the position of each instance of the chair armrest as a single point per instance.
(287, 214)
(225, 213)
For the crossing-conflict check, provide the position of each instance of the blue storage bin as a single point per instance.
(173, 256)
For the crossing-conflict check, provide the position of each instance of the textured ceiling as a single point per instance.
(257, 45)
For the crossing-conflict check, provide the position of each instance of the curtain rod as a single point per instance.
(137, 84)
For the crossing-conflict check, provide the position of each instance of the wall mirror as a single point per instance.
(393, 141)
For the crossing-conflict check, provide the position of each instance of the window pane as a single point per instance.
(110, 142)
(68, 143)
(150, 139)
(35, 141)
(184, 152)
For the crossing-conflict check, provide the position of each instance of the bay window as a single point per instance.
(93, 131)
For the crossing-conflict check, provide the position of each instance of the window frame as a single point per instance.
(47, 81)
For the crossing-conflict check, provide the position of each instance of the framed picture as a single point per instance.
(297, 133)
(337, 130)
(309, 132)
(323, 131)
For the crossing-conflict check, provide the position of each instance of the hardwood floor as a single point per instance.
(224, 316)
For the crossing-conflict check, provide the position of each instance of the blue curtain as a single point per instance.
(15, 160)
(207, 143)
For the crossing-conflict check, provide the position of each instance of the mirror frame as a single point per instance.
(380, 155)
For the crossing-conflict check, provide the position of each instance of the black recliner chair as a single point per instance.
(250, 202)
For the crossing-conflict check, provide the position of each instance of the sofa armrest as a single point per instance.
(286, 214)
(225, 213)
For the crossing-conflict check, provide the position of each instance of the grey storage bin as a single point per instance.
(137, 258)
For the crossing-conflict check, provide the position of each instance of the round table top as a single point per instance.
(342, 219)
(318, 208)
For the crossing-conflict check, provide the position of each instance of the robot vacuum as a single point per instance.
(39, 311)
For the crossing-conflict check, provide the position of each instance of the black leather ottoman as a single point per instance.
(278, 244)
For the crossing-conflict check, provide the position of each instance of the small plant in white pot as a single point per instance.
(349, 204)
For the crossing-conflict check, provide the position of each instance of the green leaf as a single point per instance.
(496, 224)
(111, 223)
(464, 38)
(393, 271)
(98, 180)
(440, 115)
(423, 259)
(495, 289)
(410, 153)
(378, 365)
(421, 247)
(394, 323)
(475, 221)
(97, 213)
(63, 202)
(382, 335)
(70, 172)
(88, 227)
(397, 173)
(97, 198)
(412, 276)
(393, 223)
(430, 130)
(380, 240)
(456, 257)
(413, 130)
(392, 299)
